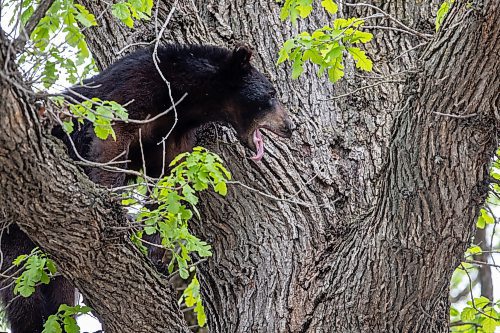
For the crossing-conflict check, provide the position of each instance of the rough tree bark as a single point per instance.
(80, 225)
(370, 207)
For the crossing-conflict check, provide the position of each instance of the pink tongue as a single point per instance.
(258, 140)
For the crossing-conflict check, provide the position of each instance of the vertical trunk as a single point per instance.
(484, 274)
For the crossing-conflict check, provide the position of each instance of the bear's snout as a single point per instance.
(288, 128)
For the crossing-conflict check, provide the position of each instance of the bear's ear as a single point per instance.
(241, 56)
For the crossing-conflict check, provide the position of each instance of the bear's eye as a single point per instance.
(272, 93)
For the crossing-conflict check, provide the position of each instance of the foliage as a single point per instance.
(325, 47)
(49, 60)
(442, 12)
(192, 297)
(126, 11)
(100, 113)
(484, 218)
(293, 9)
(37, 268)
(479, 316)
(47, 54)
(64, 319)
(176, 198)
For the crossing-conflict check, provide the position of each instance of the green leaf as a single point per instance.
(19, 259)
(24, 290)
(104, 131)
(487, 217)
(34, 271)
(484, 218)
(83, 16)
(122, 12)
(489, 325)
(297, 68)
(49, 74)
(330, 6)
(191, 297)
(304, 10)
(362, 61)
(495, 175)
(26, 14)
(481, 223)
(68, 126)
(481, 302)
(221, 188)
(313, 56)
(45, 279)
(442, 12)
(201, 317)
(52, 325)
(65, 317)
(73, 36)
(352, 22)
(474, 249)
(336, 72)
(150, 230)
(468, 314)
(359, 37)
(70, 325)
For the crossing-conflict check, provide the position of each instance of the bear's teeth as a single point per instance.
(258, 140)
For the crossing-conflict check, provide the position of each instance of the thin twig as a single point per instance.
(156, 61)
(465, 116)
(392, 18)
(362, 88)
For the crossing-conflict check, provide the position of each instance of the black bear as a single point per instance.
(221, 86)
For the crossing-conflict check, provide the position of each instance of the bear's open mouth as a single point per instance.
(258, 140)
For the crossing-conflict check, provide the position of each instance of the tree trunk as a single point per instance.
(81, 226)
(484, 273)
(357, 224)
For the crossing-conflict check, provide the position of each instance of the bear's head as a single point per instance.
(253, 104)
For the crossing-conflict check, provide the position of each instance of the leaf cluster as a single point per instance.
(293, 9)
(479, 316)
(63, 320)
(100, 113)
(326, 47)
(176, 199)
(192, 298)
(127, 11)
(47, 56)
(63, 18)
(37, 268)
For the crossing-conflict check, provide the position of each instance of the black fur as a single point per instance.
(221, 85)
